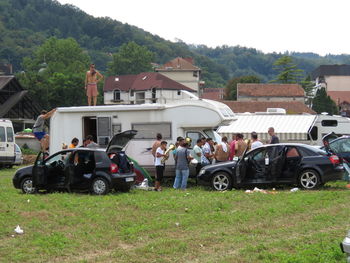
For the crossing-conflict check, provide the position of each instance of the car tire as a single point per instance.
(309, 179)
(221, 181)
(99, 186)
(27, 185)
(122, 188)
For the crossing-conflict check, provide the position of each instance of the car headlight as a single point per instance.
(202, 171)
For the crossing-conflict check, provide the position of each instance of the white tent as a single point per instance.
(287, 127)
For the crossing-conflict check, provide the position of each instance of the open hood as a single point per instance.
(328, 138)
(120, 140)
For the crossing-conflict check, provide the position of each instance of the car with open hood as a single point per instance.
(275, 164)
(81, 169)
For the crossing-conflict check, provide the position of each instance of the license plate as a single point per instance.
(129, 179)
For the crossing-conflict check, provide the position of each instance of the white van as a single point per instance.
(194, 118)
(7, 143)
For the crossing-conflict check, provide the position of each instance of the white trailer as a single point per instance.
(192, 118)
(303, 128)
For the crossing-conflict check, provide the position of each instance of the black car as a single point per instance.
(97, 170)
(299, 164)
(337, 144)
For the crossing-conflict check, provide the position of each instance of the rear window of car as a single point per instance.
(100, 156)
(311, 151)
(341, 145)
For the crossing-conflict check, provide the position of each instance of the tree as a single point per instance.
(287, 70)
(131, 58)
(55, 74)
(323, 103)
(231, 86)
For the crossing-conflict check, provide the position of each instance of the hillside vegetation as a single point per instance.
(26, 24)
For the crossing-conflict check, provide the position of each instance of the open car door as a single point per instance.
(277, 158)
(39, 171)
(120, 140)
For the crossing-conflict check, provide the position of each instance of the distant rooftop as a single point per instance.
(269, 90)
(178, 64)
(331, 70)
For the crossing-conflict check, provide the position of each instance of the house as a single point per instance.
(147, 87)
(5, 69)
(335, 79)
(291, 107)
(213, 93)
(270, 92)
(183, 71)
(16, 105)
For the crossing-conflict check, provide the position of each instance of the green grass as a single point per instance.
(197, 225)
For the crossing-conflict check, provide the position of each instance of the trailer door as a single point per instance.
(104, 130)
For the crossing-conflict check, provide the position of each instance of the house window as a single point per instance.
(178, 92)
(116, 95)
(154, 95)
(195, 74)
(132, 93)
(140, 97)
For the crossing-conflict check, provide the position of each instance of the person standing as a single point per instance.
(232, 147)
(274, 138)
(222, 151)
(156, 144)
(74, 143)
(240, 145)
(91, 79)
(207, 155)
(160, 167)
(197, 155)
(255, 142)
(39, 131)
(182, 158)
(89, 142)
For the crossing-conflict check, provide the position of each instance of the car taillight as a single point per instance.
(334, 159)
(113, 168)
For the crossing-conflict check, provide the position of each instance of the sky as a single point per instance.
(320, 26)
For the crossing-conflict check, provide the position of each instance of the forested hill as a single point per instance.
(26, 24)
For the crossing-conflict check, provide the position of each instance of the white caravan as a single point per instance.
(7, 143)
(192, 118)
(303, 128)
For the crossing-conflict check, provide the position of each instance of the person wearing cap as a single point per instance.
(39, 131)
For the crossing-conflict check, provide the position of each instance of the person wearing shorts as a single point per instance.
(38, 129)
(160, 167)
(91, 80)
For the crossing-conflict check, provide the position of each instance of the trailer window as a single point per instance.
(329, 123)
(2, 134)
(313, 134)
(150, 130)
(9, 133)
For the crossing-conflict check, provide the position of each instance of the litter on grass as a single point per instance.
(296, 189)
(18, 230)
(258, 190)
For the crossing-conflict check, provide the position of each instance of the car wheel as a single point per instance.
(221, 181)
(309, 179)
(27, 186)
(122, 188)
(100, 186)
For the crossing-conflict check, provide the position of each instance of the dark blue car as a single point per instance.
(275, 164)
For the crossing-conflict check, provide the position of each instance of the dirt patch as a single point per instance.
(29, 158)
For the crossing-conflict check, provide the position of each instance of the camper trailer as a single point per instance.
(303, 128)
(7, 143)
(192, 118)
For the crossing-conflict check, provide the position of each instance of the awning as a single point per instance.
(287, 127)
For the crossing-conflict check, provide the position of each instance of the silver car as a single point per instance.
(19, 156)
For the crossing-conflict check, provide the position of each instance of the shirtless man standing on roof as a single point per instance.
(91, 80)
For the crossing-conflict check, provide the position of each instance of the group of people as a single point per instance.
(205, 152)
(88, 142)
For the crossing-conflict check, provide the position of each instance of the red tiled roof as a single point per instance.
(213, 93)
(269, 90)
(178, 64)
(339, 96)
(291, 107)
(142, 81)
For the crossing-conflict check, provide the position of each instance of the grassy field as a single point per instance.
(196, 225)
